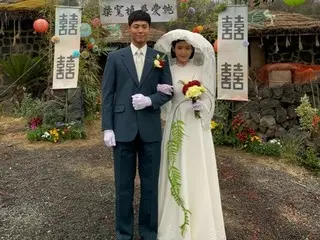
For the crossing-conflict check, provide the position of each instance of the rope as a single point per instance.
(234, 111)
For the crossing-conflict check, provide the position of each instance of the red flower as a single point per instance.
(251, 131)
(34, 123)
(242, 136)
(190, 84)
(195, 83)
(185, 89)
(162, 63)
(241, 129)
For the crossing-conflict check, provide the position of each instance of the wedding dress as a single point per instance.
(197, 165)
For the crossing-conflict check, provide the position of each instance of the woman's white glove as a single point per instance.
(198, 105)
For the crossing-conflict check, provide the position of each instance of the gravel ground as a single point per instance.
(65, 191)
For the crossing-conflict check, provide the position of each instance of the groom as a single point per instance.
(132, 126)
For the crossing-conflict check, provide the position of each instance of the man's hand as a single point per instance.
(165, 88)
(140, 101)
(109, 138)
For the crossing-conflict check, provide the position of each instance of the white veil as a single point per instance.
(204, 57)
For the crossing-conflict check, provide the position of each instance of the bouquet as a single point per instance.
(193, 90)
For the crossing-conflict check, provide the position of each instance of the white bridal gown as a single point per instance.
(199, 179)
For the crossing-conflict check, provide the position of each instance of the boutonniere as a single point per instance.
(159, 61)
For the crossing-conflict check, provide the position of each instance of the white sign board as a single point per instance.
(67, 29)
(117, 11)
(233, 54)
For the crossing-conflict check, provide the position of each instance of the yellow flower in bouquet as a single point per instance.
(195, 91)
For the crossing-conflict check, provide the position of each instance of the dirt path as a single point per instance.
(65, 191)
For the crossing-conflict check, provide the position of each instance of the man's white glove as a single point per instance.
(197, 106)
(109, 138)
(140, 101)
(165, 88)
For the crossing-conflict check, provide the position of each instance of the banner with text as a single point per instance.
(117, 11)
(233, 54)
(66, 63)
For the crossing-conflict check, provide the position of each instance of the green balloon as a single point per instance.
(293, 2)
(85, 30)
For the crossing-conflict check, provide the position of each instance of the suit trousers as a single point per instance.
(125, 165)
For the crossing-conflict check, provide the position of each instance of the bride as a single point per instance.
(189, 195)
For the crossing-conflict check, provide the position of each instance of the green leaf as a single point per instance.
(173, 147)
(23, 69)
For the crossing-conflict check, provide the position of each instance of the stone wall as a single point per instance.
(26, 41)
(271, 110)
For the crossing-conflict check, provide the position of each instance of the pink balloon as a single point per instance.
(41, 25)
(96, 22)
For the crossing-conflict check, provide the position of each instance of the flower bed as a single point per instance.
(58, 133)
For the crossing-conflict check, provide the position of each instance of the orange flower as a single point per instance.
(315, 122)
(198, 29)
(89, 46)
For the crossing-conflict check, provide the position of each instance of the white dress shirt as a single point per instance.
(139, 55)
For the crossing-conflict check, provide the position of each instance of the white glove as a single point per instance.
(109, 138)
(197, 106)
(165, 88)
(140, 101)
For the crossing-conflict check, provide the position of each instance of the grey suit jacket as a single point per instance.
(120, 82)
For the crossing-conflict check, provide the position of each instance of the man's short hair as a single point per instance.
(139, 15)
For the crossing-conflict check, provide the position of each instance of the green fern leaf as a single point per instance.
(173, 147)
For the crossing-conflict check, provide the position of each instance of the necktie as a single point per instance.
(139, 63)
